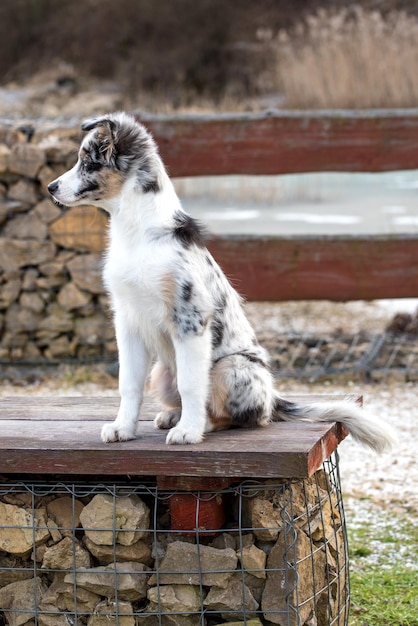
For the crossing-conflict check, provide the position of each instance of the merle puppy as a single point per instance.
(174, 309)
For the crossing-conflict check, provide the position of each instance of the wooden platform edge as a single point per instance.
(73, 447)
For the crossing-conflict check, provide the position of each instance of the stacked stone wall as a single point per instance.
(52, 302)
(110, 555)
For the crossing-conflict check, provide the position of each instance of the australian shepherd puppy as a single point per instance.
(174, 309)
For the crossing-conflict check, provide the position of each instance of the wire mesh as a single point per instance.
(96, 554)
(364, 355)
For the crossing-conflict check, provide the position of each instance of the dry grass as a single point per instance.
(351, 58)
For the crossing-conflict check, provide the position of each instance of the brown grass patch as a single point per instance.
(350, 58)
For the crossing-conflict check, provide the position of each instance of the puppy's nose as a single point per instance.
(52, 187)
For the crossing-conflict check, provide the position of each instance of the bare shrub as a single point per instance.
(350, 58)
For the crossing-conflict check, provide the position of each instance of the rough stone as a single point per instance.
(59, 322)
(29, 279)
(153, 619)
(22, 319)
(234, 598)
(85, 271)
(89, 330)
(181, 565)
(253, 560)
(32, 301)
(11, 570)
(105, 614)
(67, 554)
(224, 540)
(65, 511)
(60, 596)
(264, 517)
(56, 536)
(20, 530)
(140, 552)
(130, 580)
(27, 226)
(24, 191)
(176, 598)
(50, 283)
(4, 158)
(18, 253)
(59, 348)
(294, 586)
(47, 211)
(26, 159)
(71, 297)
(60, 149)
(81, 228)
(324, 523)
(17, 600)
(9, 291)
(127, 518)
(51, 268)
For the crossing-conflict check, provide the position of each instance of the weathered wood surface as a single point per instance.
(282, 142)
(62, 436)
(314, 268)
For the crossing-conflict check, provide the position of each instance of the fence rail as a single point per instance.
(286, 142)
(274, 142)
(320, 268)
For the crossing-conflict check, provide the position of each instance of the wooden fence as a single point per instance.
(283, 268)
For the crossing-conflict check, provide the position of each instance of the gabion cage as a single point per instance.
(124, 553)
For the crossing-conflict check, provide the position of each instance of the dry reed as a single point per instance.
(351, 58)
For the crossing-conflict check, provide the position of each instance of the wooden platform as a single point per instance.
(61, 435)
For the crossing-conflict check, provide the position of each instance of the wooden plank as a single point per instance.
(282, 142)
(73, 446)
(313, 268)
(102, 408)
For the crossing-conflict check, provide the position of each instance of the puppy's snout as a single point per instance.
(52, 187)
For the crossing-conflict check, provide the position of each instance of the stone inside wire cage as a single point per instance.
(103, 554)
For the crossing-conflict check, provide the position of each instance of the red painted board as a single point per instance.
(315, 268)
(281, 142)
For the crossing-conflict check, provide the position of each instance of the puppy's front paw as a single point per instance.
(179, 435)
(113, 432)
(167, 419)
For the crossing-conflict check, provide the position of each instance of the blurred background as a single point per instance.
(62, 60)
(73, 58)
(76, 56)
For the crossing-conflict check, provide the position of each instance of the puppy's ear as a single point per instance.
(99, 121)
(106, 134)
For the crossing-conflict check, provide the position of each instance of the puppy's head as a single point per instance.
(116, 149)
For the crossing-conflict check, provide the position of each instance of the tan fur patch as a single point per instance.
(217, 412)
(168, 287)
(110, 182)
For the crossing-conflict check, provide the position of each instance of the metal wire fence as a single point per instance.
(86, 553)
(373, 357)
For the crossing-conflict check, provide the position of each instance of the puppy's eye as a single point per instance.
(88, 165)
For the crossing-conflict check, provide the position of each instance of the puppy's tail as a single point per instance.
(364, 428)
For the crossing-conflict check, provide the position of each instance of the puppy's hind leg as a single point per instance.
(163, 387)
(193, 363)
(241, 393)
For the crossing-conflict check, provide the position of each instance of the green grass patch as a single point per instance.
(384, 568)
(384, 597)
